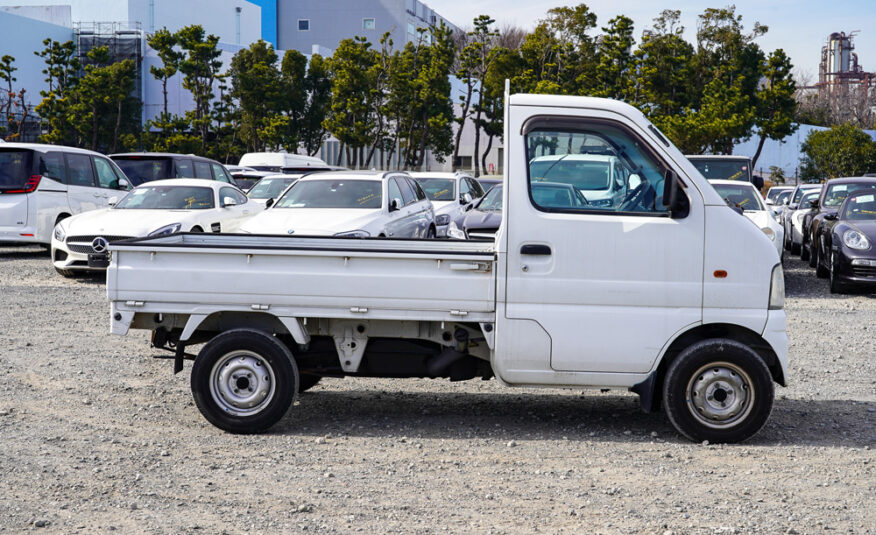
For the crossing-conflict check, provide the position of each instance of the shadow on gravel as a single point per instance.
(594, 416)
(800, 281)
(22, 253)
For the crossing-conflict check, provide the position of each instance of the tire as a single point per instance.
(720, 372)
(795, 248)
(66, 273)
(836, 287)
(821, 271)
(430, 234)
(307, 381)
(804, 252)
(813, 254)
(250, 361)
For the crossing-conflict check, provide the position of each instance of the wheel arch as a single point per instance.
(650, 389)
(198, 325)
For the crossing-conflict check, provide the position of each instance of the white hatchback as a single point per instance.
(349, 204)
(452, 195)
(152, 209)
(744, 196)
(43, 184)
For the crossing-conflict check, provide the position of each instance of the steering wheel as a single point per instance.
(633, 197)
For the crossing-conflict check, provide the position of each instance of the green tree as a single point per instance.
(776, 103)
(201, 68)
(257, 85)
(62, 67)
(614, 66)
(8, 100)
(662, 84)
(318, 85)
(164, 43)
(843, 150)
(294, 75)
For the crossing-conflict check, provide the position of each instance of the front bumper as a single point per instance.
(775, 332)
(854, 267)
(67, 258)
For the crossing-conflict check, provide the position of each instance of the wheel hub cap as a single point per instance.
(242, 383)
(719, 395)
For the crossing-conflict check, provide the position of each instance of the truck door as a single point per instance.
(609, 285)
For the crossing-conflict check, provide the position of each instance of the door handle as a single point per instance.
(535, 249)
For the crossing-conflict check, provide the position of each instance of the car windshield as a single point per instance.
(140, 169)
(775, 193)
(15, 168)
(438, 189)
(584, 175)
(860, 207)
(492, 200)
(335, 193)
(270, 188)
(837, 193)
(745, 197)
(723, 168)
(167, 198)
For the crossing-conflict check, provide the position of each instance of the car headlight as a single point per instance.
(353, 234)
(777, 288)
(455, 232)
(771, 234)
(798, 218)
(60, 233)
(856, 240)
(167, 229)
(442, 219)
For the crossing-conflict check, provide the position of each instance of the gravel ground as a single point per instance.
(97, 436)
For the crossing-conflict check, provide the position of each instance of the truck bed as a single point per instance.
(306, 277)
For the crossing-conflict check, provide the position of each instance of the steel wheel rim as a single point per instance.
(720, 395)
(242, 383)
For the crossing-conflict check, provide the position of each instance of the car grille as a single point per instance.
(82, 244)
(483, 233)
(864, 271)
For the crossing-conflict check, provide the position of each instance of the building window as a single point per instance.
(368, 24)
(303, 25)
(412, 30)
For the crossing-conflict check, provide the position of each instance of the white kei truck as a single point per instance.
(668, 292)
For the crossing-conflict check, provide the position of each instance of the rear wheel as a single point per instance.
(430, 234)
(244, 381)
(813, 254)
(795, 247)
(821, 271)
(804, 251)
(718, 390)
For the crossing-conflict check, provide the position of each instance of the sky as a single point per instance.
(800, 27)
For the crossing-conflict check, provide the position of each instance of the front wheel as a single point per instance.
(836, 287)
(244, 381)
(718, 390)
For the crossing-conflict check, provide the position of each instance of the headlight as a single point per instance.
(442, 219)
(167, 229)
(454, 232)
(798, 218)
(856, 240)
(769, 232)
(777, 288)
(60, 233)
(353, 234)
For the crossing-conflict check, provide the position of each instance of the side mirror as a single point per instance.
(813, 203)
(228, 201)
(673, 196)
(465, 199)
(113, 201)
(269, 203)
(830, 217)
(787, 201)
(634, 181)
(769, 202)
(395, 204)
(124, 184)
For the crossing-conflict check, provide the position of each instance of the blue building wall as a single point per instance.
(269, 19)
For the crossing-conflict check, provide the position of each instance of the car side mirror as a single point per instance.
(634, 181)
(787, 201)
(228, 201)
(769, 202)
(124, 184)
(395, 204)
(813, 204)
(113, 201)
(673, 196)
(269, 203)
(465, 199)
(830, 217)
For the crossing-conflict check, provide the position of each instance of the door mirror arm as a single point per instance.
(674, 197)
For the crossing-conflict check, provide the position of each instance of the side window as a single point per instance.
(202, 170)
(51, 165)
(464, 188)
(418, 191)
(184, 169)
(241, 198)
(407, 191)
(106, 178)
(79, 170)
(220, 174)
(228, 192)
(394, 192)
(587, 158)
(476, 190)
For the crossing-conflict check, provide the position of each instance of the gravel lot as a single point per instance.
(97, 436)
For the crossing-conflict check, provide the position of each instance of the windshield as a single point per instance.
(269, 168)
(837, 193)
(338, 193)
(15, 168)
(745, 197)
(723, 168)
(140, 170)
(860, 207)
(774, 193)
(492, 200)
(270, 188)
(167, 198)
(584, 175)
(438, 189)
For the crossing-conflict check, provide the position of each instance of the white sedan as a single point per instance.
(745, 196)
(349, 204)
(452, 195)
(153, 209)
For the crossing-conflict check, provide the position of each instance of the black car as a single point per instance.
(849, 235)
(484, 218)
(833, 193)
(488, 182)
(143, 167)
(247, 179)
